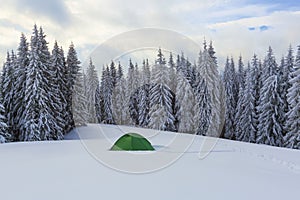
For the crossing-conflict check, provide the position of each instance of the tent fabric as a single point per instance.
(132, 142)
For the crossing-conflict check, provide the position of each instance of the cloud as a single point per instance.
(56, 10)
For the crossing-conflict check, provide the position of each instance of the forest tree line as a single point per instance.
(45, 95)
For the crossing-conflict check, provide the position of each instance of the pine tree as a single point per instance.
(8, 93)
(99, 105)
(245, 117)
(269, 127)
(143, 95)
(91, 84)
(77, 101)
(5, 135)
(230, 90)
(186, 100)
(107, 89)
(161, 98)
(113, 73)
(59, 87)
(292, 138)
(20, 83)
(132, 94)
(208, 70)
(203, 107)
(119, 102)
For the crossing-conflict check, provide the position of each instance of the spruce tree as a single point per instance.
(161, 97)
(92, 83)
(269, 127)
(208, 70)
(230, 90)
(292, 138)
(59, 88)
(20, 84)
(186, 100)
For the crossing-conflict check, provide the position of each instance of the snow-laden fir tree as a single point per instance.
(172, 72)
(230, 89)
(119, 100)
(285, 71)
(39, 119)
(113, 73)
(186, 103)
(79, 110)
(132, 94)
(99, 105)
(209, 71)
(92, 83)
(8, 93)
(203, 109)
(240, 75)
(269, 127)
(292, 138)
(107, 88)
(161, 97)
(59, 88)
(143, 95)
(49, 100)
(245, 117)
(5, 135)
(19, 85)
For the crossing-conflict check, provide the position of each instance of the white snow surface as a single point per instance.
(67, 170)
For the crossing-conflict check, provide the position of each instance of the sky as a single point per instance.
(236, 27)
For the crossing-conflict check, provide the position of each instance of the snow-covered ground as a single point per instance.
(86, 170)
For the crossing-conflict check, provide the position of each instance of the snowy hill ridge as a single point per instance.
(66, 170)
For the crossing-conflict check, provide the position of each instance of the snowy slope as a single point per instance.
(71, 169)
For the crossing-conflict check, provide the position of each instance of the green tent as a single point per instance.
(132, 142)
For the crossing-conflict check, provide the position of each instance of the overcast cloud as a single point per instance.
(235, 26)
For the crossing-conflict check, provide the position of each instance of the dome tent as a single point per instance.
(132, 142)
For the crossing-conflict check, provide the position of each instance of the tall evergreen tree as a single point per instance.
(269, 127)
(107, 88)
(230, 90)
(292, 138)
(20, 84)
(208, 70)
(91, 84)
(59, 88)
(77, 100)
(161, 98)
(186, 100)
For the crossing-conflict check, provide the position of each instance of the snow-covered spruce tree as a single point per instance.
(132, 94)
(230, 89)
(78, 100)
(59, 88)
(286, 69)
(161, 97)
(119, 101)
(202, 117)
(269, 127)
(99, 106)
(240, 75)
(211, 52)
(143, 95)
(186, 100)
(209, 71)
(49, 100)
(292, 138)
(172, 72)
(5, 135)
(245, 116)
(107, 89)
(40, 122)
(92, 83)
(120, 72)
(113, 73)
(19, 85)
(8, 93)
